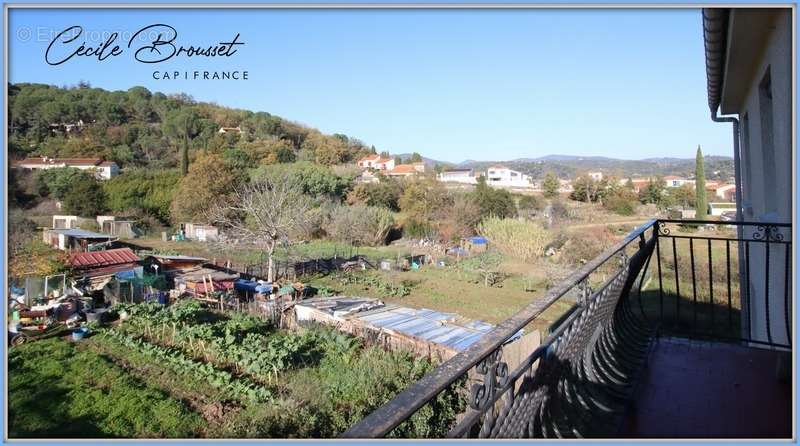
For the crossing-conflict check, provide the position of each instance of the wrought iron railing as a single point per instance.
(696, 285)
(577, 382)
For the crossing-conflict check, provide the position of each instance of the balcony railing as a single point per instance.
(666, 277)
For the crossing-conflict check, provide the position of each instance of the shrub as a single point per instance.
(522, 239)
(622, 202)
(458, 220)
(494, 202)
(359, 224)
(385, 193)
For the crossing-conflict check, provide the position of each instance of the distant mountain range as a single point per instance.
(570, 166)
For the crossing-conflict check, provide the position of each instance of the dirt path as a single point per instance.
(637, 221)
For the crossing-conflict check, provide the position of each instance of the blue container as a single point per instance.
(80, 333)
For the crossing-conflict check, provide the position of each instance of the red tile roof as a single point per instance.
(102, 258)
(404, 168)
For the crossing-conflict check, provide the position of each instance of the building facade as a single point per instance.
(463, 176)
(502, 176)
(749, 71)
(376, 162)
(103, 170)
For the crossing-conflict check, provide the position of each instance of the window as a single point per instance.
(767, 143)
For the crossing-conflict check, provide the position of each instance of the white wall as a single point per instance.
(767, 180)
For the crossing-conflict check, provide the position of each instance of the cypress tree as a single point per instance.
(185, 156)
(700, 186)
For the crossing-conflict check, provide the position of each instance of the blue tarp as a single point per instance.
(126, 275)
(477, 240)
(251, 286)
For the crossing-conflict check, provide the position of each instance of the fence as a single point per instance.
(578, 381)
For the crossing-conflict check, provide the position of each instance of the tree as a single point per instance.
(494, 202)
(550, 185)
(415, 158)
(653, 192)
(84, 197)
(183, 124)
(359, 224)
(328, 150)
(700, 186)
(385, 193)
(683, 196)
(315, 180)
(265, 212)
(56, 182)
(529, 205)
(586, 189)
(150, 190)
(421, 200)
(209, 181)
(458, 219)
(621, 200)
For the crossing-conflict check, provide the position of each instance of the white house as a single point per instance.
(597, 176)
(726, 192)
(223, 130)
(748, 55)
(376, 162)
(103, 170)
(676, 181)
(464, 176)
(501, 176)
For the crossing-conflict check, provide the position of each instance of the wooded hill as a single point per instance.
(141, 128)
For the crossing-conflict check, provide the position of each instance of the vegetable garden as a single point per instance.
(186, 371)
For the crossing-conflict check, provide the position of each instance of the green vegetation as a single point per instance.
(550, 185)
(184, 371)
(700, 187)
(59, 390)
(521, 239)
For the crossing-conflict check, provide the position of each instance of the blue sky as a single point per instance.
(451, 84)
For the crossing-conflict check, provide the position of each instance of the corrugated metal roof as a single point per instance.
(434, 326)
(448, 329)
(102, 258)
(81, 233)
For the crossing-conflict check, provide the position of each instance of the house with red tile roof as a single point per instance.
(407, 170)
(376, 162)
(102, 169)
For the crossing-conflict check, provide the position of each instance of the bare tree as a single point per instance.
(264, 212)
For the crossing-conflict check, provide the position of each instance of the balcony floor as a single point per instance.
(700, 389)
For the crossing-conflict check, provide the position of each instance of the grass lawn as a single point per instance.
(449, 290)
(57, 389)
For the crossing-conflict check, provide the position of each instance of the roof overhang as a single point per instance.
(734, 41)
(748, 34)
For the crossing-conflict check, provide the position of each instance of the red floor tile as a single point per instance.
(694, 389)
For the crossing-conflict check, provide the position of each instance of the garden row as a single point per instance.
(236, 373)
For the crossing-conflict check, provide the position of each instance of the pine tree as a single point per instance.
(550, 185)
(700, 186)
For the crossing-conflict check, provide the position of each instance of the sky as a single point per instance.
(450, 84)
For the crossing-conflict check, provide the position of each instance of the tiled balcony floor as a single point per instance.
(696, 389)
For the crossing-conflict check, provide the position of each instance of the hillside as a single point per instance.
(716, 167)
(139, 128)
(142, 128)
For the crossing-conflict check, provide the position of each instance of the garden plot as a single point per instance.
(184, 371)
